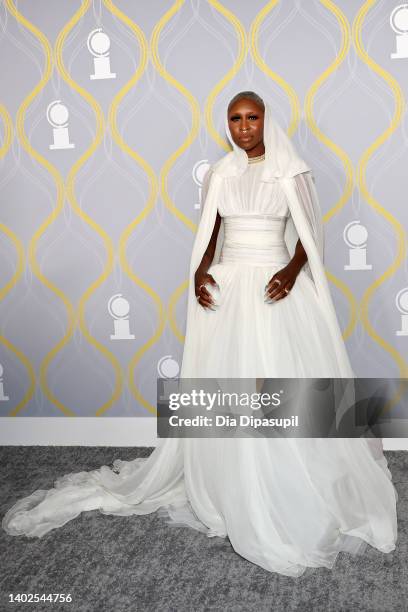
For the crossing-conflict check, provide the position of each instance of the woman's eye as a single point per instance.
(250, 117)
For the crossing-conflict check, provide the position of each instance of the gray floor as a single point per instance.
(129, 564)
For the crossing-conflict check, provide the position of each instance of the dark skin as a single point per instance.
(246, 122)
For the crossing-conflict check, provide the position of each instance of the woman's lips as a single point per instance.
(246, 138)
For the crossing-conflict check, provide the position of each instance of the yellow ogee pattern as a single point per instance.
(8, 131)
(345, 42)
(263, 66)
(70, 191)
(238, 62)
(361, 179)
(195, 112)
(112, 119)
(32, 248)
(208, 112)
(309, 117)
(8, 139)
(153, 183)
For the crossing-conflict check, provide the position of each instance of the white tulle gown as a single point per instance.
(285, 504)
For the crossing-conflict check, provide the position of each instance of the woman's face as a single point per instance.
(246, 122)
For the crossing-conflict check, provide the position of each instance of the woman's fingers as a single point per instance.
(206, 298)
(282, 294)
(276, 291)
(273, 289)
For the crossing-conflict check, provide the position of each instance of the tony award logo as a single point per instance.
(168, 370)
(168, 367)
(118, 308)
(399, 23)
(401, 302)
(355, 236)
(199, 172)
(57, 116)
(98, 44)
(3, 398)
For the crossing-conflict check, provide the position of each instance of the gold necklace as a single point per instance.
(258, 158)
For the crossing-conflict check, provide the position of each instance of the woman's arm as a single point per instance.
(282, 281)
(201, 276)
(299, 258)
(210, 250)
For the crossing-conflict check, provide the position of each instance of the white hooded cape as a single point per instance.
(305, 222)
(164, 480)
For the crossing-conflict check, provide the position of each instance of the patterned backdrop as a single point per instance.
(110, 113)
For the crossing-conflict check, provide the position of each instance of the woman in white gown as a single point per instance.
(285, 504)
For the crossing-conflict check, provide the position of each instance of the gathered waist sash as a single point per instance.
(254, 239)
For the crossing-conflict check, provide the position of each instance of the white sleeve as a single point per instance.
(205, 187)
(307, 194)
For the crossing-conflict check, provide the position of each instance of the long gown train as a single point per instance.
(285, 504)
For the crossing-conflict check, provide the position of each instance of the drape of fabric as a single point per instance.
(285, 504)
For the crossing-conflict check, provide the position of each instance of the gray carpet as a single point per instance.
(139, 563)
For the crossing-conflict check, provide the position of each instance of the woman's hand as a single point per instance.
(203, 296)
(282, 282)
